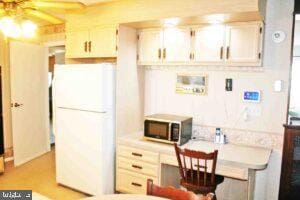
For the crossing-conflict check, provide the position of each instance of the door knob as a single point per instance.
(18, 105)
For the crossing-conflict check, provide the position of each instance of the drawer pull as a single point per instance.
(137, 154)
(136, 184)
(136, 166)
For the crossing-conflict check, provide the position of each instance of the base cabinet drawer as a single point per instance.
(137, 154)
(138, 166)
(130, 182)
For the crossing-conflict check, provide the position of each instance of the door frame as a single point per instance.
(49, 45)
(296, 12)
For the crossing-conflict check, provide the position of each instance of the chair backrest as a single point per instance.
(191, 162)
(173, 193)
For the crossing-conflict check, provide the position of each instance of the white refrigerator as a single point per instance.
(84, 127)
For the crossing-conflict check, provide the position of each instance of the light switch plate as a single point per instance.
(278, 86)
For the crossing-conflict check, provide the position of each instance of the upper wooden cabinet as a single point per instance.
(76, 44)
(244, 43)
(236, 44)
(91, 43)
(150, 46)
(209, 42)
(176, 45)
(172, 45)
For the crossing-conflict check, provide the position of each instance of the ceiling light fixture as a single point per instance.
(215, 19)
(13, 29)
(171, 22)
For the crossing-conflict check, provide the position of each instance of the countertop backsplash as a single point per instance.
(242, 137)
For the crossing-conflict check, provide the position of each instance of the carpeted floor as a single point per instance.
(37, 175)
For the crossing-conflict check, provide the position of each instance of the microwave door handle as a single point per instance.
(170, 129)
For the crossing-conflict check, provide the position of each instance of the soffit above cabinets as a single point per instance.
(136, 11)
(198, 20)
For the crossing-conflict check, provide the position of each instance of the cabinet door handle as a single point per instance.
(221, 53)
(159, 53)
(136, 184)
(164, 53)
(227, 53)
(18, 105)
(90, 46)
(136, 166)
(136, 154)
(85, 46)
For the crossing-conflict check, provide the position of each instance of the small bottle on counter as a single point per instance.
(223, 139)
(218, 135)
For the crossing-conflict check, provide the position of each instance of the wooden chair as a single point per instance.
(172, 193)
(196, 174)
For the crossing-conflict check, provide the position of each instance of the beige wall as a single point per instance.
(225, 109)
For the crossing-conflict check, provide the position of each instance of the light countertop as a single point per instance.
(256, 158)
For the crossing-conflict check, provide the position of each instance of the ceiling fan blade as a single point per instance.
(59, 5)
(44, 16)
(2, 11)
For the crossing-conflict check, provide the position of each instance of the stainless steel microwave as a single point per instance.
(168, 128)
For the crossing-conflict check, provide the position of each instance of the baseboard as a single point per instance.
(30, 158)
(8, 159)
(8, 152)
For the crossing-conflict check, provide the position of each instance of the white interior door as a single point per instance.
(29, 97)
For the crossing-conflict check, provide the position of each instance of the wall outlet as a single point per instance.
(253, 110)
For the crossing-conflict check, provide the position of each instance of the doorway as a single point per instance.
(56, 56)
(294, 105)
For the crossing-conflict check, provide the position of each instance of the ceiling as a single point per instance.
(60, 13)
(86, 2)
(89, 2)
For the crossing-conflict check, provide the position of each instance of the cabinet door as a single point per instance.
(177, 45)
(150, 46)
(76, 44)
(102, 42)
(244, 44)
(209, 44)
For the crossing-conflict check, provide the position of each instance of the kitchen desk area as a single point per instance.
(139, 159)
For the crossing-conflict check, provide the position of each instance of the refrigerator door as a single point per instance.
(82, 87)
(79, 150)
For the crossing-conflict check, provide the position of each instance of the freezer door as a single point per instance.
(79, 150)
(83, 87)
